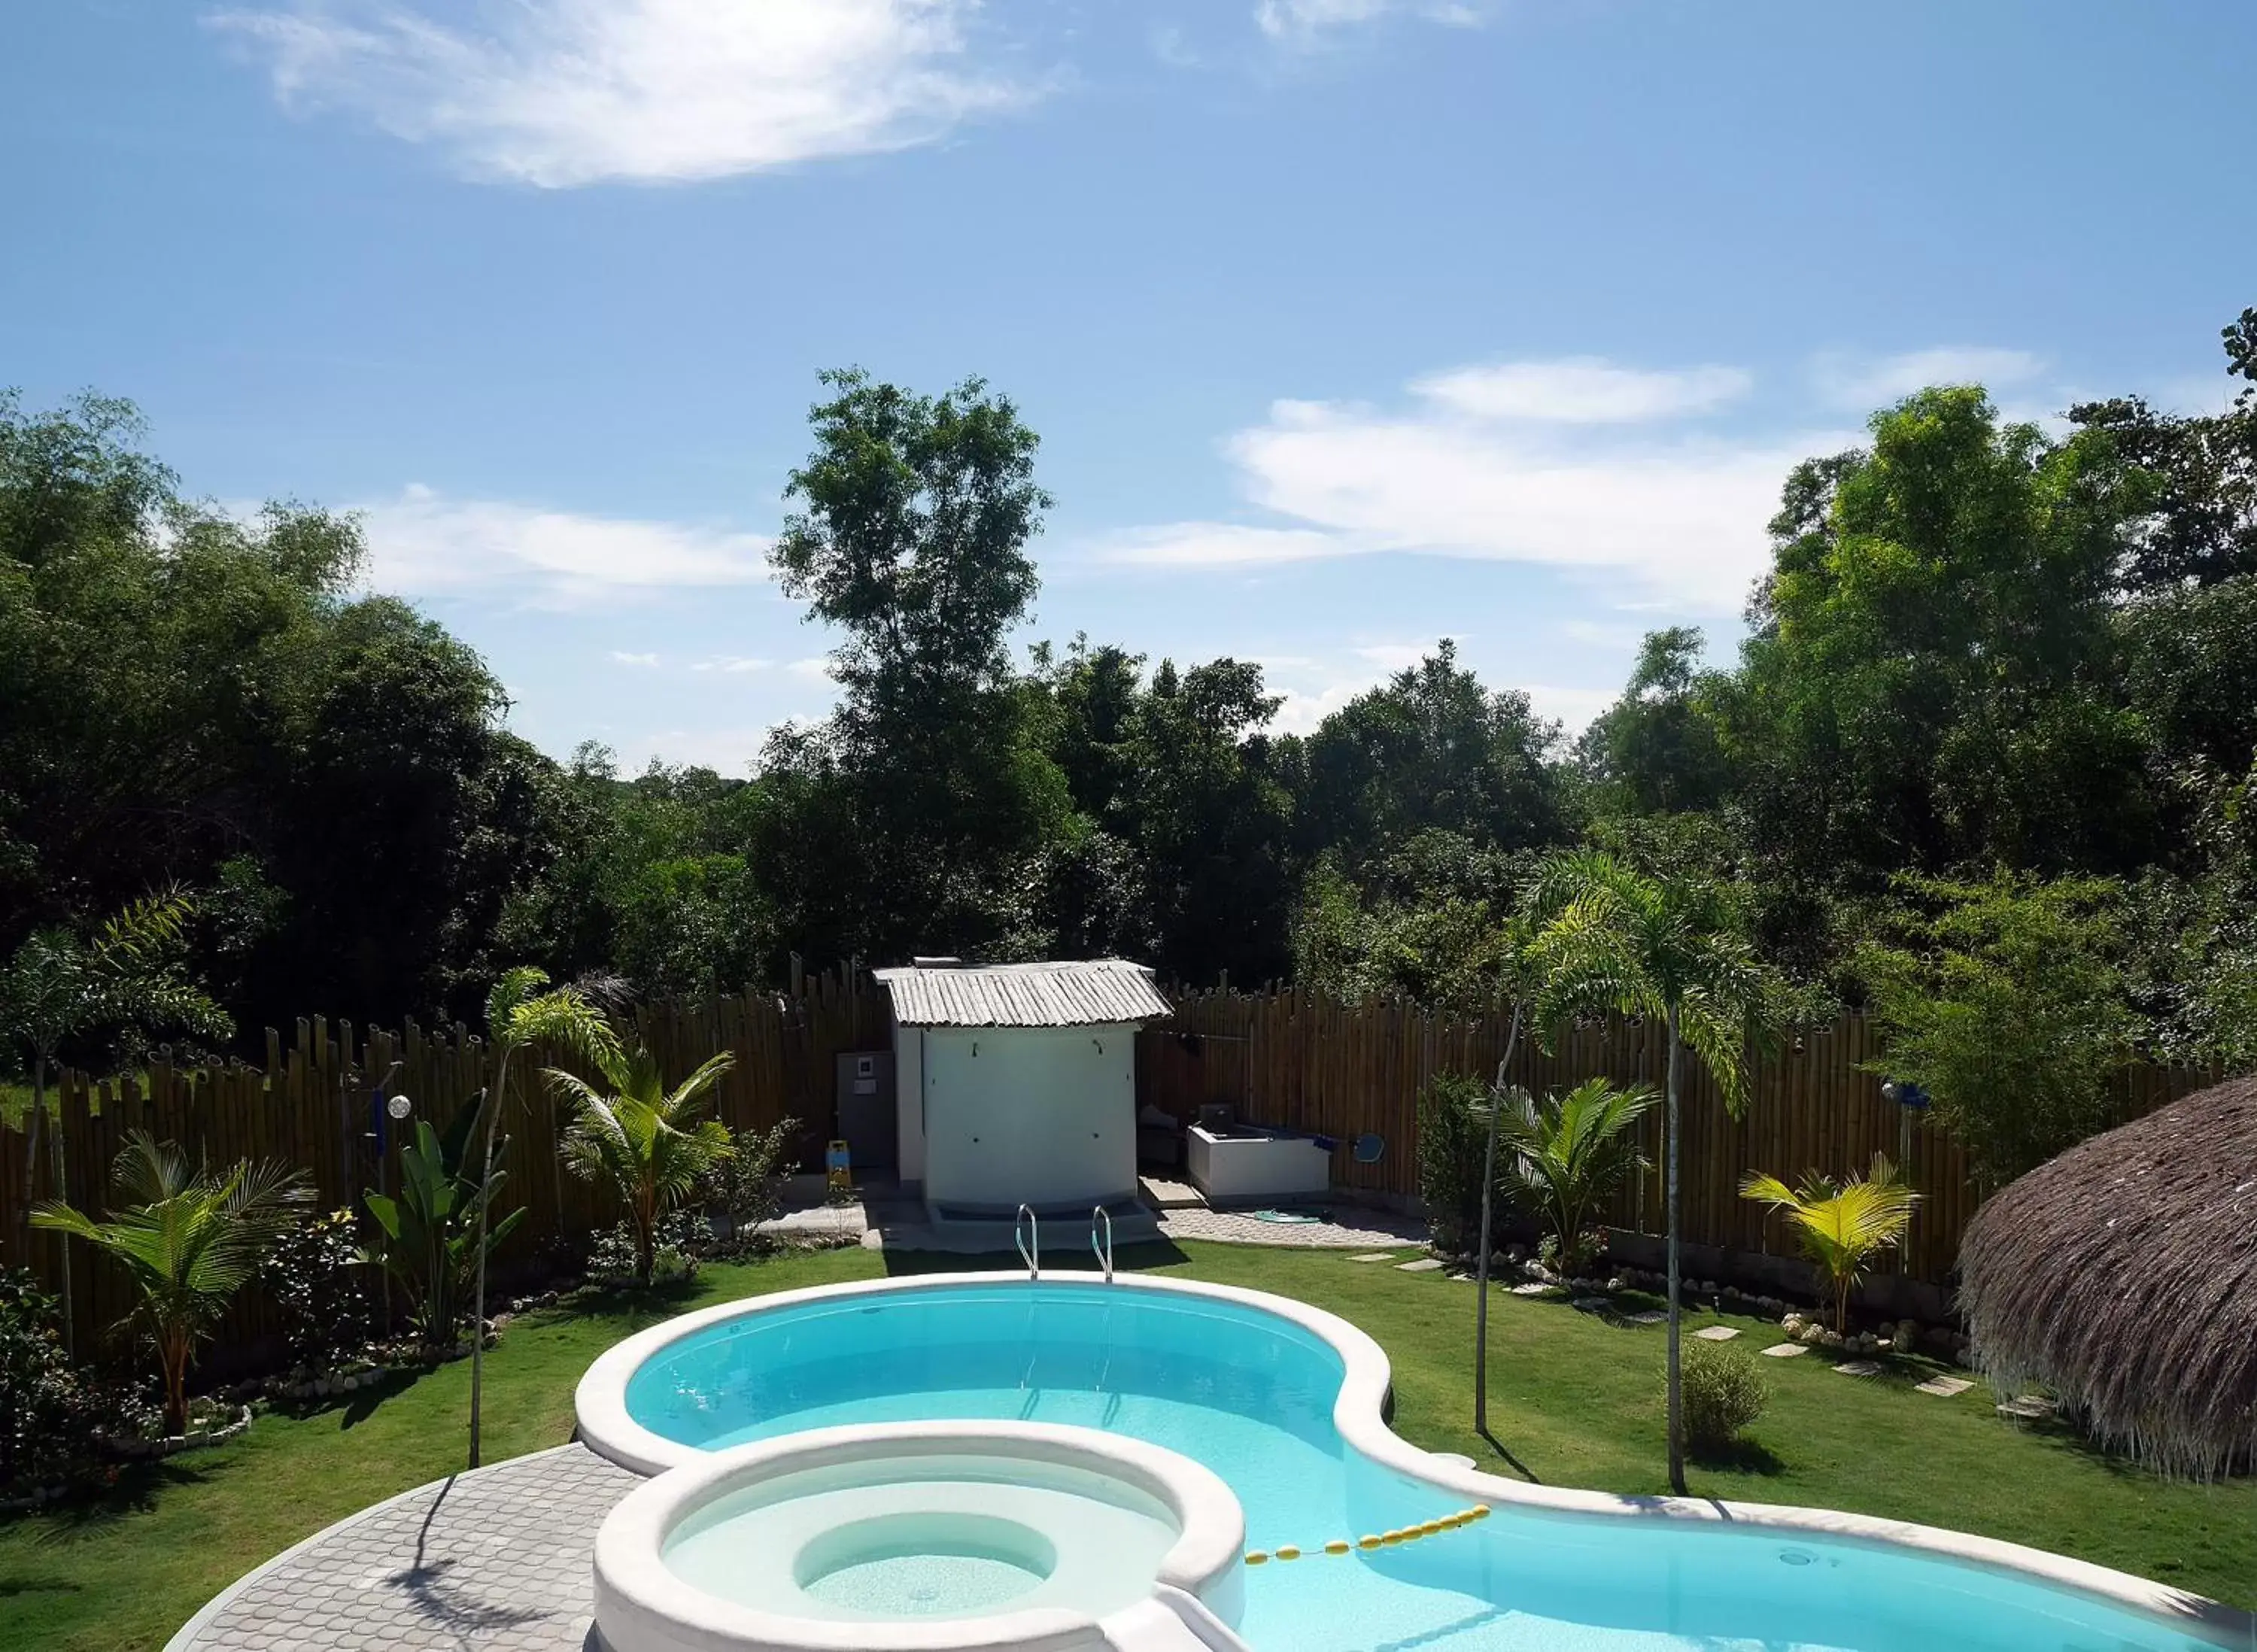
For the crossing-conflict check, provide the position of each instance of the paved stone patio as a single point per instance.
(1352, 1227)
(500, 1560)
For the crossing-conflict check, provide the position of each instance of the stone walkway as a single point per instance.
(500, 1560)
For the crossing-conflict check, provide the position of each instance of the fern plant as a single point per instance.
(1843, 1226)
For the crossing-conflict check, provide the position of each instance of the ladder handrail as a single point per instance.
(1034, 1231)
(1104, 1254)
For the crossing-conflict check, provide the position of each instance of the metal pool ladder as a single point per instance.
(1025, 1228)
(1102, 1250)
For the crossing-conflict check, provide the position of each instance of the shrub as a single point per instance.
(1724, 1391)
(316, 1279)
(1452, 1135)
(616, 1255)
(50, 1417)
(746, 1189)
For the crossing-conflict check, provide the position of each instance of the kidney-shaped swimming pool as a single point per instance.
(1284, 1403)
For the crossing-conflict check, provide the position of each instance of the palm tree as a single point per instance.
(1842, 1225)
(1569, 1152)
(648, 1142)
(60, 986)
(1671, 947)
(190, 1239)
(519, 1013)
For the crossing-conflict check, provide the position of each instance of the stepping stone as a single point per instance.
(1591, 1305)
(1374, 1256)
(1717, 1333)
(1424, 1265)
(1531, 1288)
(1649, 1316)
(1944, 1387)
(1785, 1351)
(1858, 1368)
(2031, 1407)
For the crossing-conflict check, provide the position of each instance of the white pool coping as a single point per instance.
(640, 1602)
(1359, 1414)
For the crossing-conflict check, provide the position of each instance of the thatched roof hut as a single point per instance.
(2123, 1276)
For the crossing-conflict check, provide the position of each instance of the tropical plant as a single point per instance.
(651, 1145)
(189, 1239)
(1567, 1153)
(435, 1228)
(519, 1013)
(1843, 1226)
(1450, 1109)
(60, 985)
(1724, 1391)
(1673, 948)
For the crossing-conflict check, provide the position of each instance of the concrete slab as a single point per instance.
(1785, 1351)
(1163, 1193)
(2029, 1408)
(1648, 1317)
(1424, 1265)
(1857, 1368)
(1944, 1387)
(1374, 1256)
(1534, 1288)
(1717, 1333)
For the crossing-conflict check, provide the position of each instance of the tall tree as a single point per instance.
(910, 537)
(1932, 676)
(1673, 949)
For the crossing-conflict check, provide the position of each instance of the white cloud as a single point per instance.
(1673, 521)
(424, 544)
(1303, 20)
(558, 92)
(730, 751)
(814, 669)
(1862, 384)
(647, 661)
(1581, 390)
(731, 663)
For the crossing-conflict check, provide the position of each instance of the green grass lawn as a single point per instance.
(1575, 1400)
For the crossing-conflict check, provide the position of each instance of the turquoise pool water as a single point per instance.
(1250, 1395)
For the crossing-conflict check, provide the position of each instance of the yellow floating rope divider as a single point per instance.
(1374, 1540)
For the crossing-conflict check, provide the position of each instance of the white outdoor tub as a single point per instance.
(926, 1537)
(1241, 1162)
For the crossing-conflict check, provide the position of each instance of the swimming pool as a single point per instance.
(1284, 1403)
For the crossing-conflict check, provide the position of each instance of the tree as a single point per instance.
(1673, 948)
(189, 1239)
(520, 1014)
(1842, 1225)
(1567, 1153)
(1932, 676)
(2005, 1001)
(1430, 749)
(927, 788)
(1656, 750)
(651, 1145)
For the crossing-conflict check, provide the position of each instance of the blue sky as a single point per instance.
(1346, 323)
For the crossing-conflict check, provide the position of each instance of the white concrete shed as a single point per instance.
(1016, 1082)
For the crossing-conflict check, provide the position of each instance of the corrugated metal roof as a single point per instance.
(1098, 992)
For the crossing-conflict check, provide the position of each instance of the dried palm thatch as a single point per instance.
(2123, 1276)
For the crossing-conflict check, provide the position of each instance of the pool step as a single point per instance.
(1173, 1620)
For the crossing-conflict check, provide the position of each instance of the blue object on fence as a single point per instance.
(1370, 1148)
(1905, 1095)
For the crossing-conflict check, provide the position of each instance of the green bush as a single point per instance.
(1451, 1138)
(1724, 1391)
(51, 1417)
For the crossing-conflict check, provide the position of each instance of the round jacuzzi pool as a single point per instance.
(926, 1536)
